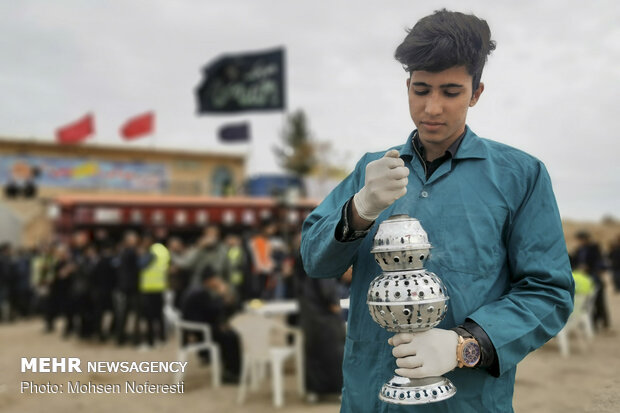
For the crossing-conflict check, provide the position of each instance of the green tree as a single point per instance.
(297, 154)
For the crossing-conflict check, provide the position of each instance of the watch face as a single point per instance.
(471, 353)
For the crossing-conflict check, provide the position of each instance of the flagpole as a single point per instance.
(94, 136)
(154, 134)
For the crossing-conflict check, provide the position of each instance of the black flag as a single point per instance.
(237, 132)
(248, 81)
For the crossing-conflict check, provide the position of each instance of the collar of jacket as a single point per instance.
(471, 147)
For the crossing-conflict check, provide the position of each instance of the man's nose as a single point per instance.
(433, 105)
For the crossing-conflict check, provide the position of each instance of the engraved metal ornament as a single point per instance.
(407, 301)
(401, 390)
(401, 244)
(407, 298)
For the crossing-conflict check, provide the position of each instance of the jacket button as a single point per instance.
(424, 194)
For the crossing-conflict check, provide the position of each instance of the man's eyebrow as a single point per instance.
(445, 85)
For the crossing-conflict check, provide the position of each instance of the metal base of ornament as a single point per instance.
(402, 390)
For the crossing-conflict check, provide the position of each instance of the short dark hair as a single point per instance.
(207, 273)
(583, 235)
(447, 39)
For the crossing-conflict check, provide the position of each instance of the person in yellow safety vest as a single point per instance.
(154, 263)
(583, 282)
(153, 277)
(237, 266)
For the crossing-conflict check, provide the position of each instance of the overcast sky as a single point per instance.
(552, 85)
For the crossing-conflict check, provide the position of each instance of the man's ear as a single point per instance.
(408, 82)
(476, 95)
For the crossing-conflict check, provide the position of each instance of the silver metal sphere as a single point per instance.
(407, 301)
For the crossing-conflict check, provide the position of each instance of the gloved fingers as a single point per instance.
(411, 362)
(391, 163)
(398, 162)
(384, 163)
(404, 350)
(417, 373)
(395, 184)
(401, 193)
(398, 172)
(400, 338)
(393, 153)
(385, 182)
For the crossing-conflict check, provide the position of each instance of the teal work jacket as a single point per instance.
(498, 246)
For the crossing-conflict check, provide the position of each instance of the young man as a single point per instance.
(490, 214)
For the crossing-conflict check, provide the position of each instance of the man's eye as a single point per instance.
(420, 92)
(451, 94)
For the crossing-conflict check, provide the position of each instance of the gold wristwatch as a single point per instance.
(467, 351)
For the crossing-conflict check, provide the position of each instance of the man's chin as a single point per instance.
(432, 138)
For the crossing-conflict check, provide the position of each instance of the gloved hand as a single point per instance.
(427, 354)
(386, 181)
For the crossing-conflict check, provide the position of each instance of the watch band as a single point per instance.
(344, 232)
(462, 332)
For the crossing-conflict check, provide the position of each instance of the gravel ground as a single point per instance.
(587, 381)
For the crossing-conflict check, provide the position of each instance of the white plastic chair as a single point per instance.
(206, 343)
(171, 316)
(579, 322)
(256, 333)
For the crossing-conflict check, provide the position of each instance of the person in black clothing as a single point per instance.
(128, 276)
(320, 318)
(8, 282)
(213, 303)
(61, 290)
(79, 305)
(24, 293)
(103, 280)
(5, 276)
(588, 256)
(178, 273)
(14, 282)
(85, 259)
(614, 263)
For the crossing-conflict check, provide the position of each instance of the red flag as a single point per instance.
(76, 132)
(138, 126)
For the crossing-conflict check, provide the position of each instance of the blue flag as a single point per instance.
(233, 133)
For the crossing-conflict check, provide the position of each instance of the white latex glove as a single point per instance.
(427, 354)
(386, 181)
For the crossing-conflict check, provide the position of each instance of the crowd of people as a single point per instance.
(107, 288)
(589, 263)
(116, 289)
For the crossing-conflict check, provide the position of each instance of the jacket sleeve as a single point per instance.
(540, 297)
(323, 256)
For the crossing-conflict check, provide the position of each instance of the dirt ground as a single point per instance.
(587, 381)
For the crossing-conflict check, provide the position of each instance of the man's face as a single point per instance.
(438, 104)
(175, 245)
(212, 233)
(131, 240)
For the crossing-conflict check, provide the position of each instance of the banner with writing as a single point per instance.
(243, 82)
